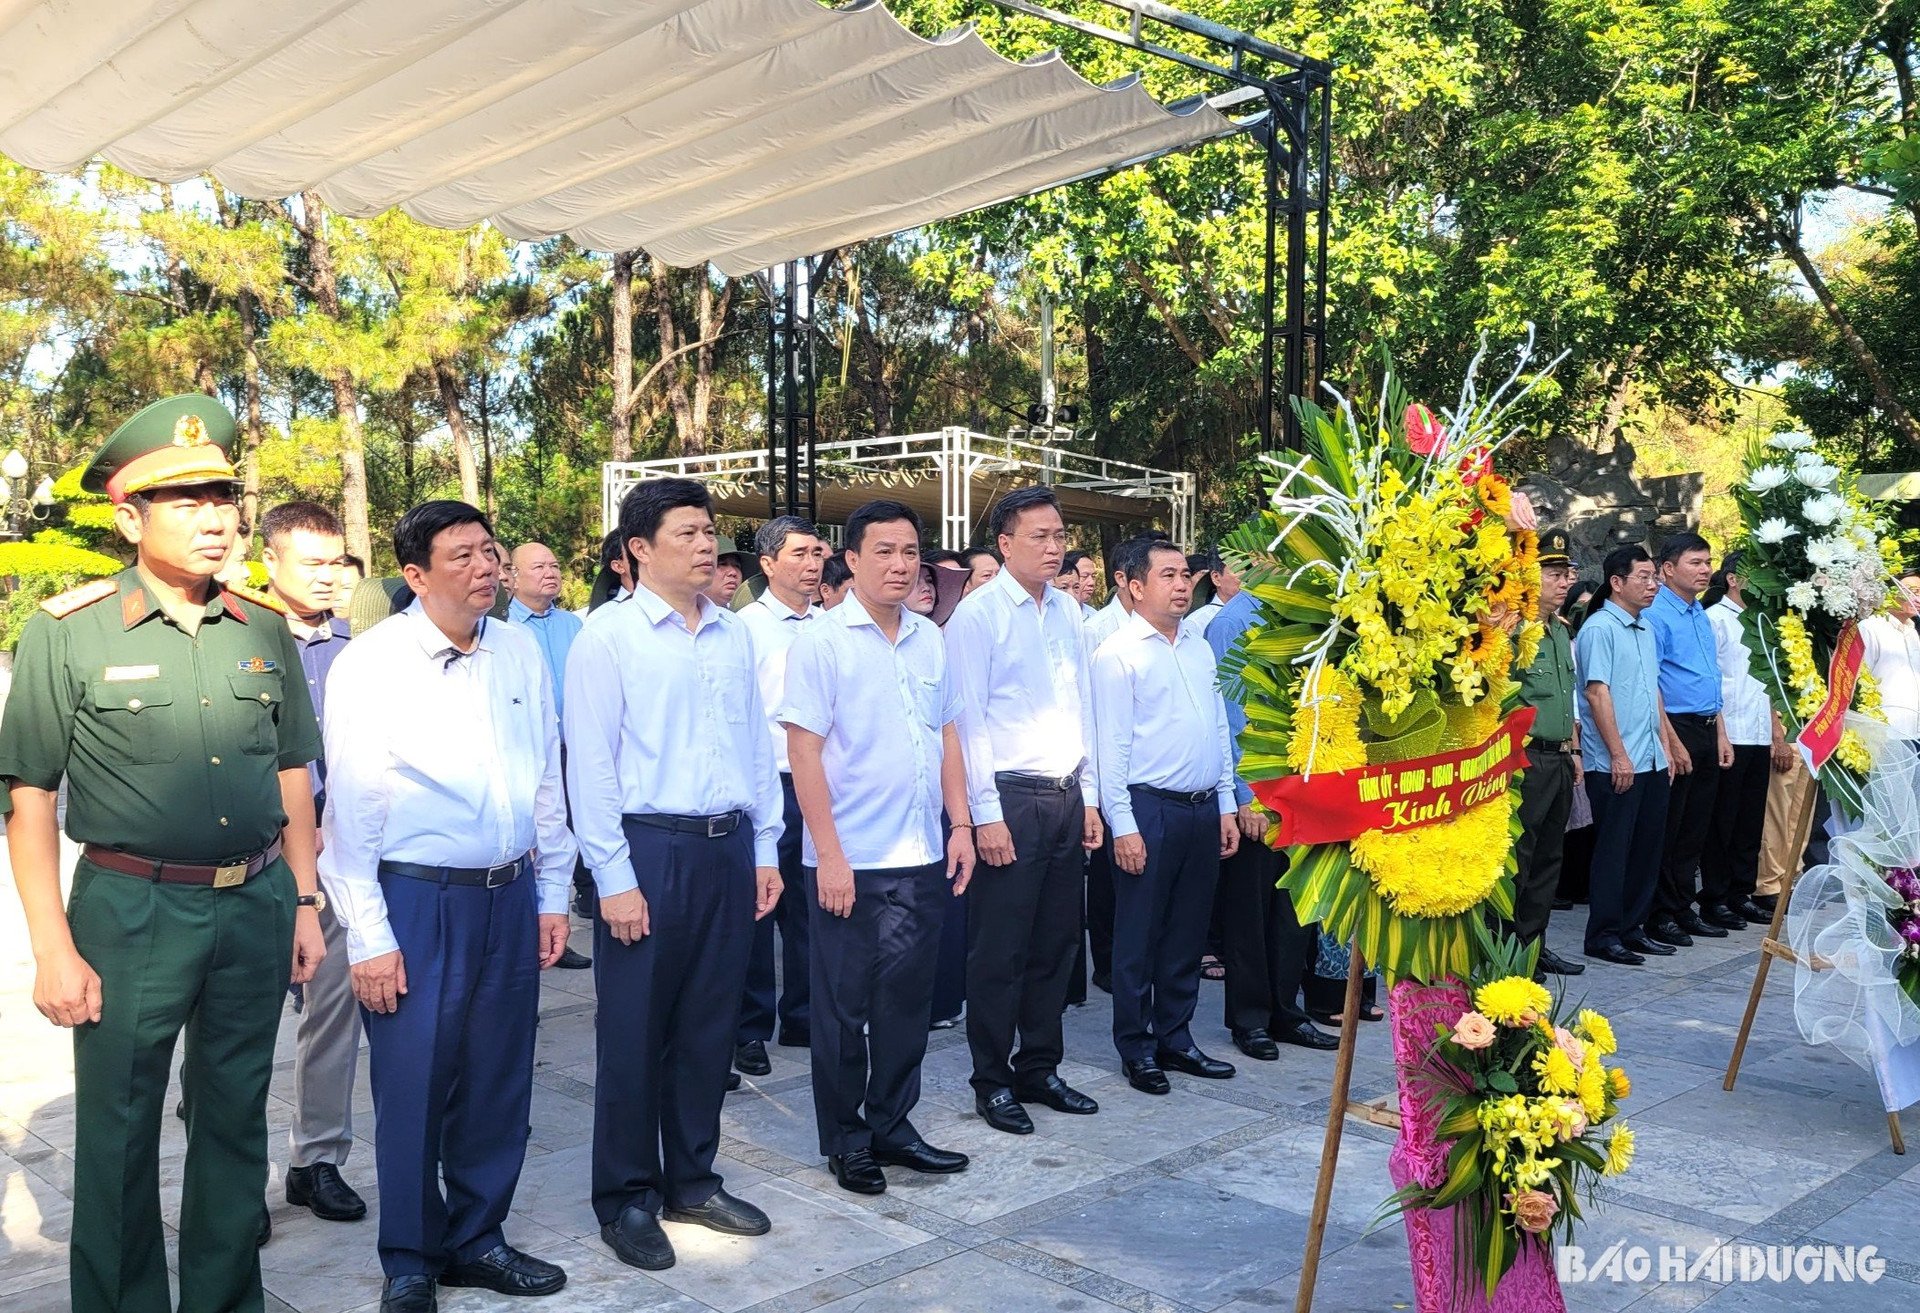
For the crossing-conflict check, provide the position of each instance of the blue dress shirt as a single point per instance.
(554, 631)
(1233, 619)
(1689, 659)
(1619, 651)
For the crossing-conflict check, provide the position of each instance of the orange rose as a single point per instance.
(1533, 1209)
(1473, 1031)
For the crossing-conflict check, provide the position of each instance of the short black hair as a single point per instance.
(969, 555)
(1134, 557)
(1672, 549)
(774, 533)
(413, 536)
(298, 517)
(1145, 538)
(878, 511)
(1198, 561)
(1735, 559)
(355, 562)
(835, 574)
(1620, 562)
(1071, 562)
(642, 509)
(943, 556)
(1008, 508)
(610, 548)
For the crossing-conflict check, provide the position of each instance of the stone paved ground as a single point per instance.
(1193, 1201)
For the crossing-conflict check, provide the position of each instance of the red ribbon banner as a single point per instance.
(1401, 795)
(1821, 737)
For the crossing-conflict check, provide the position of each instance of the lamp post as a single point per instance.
(23, 509)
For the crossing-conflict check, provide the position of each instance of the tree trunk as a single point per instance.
(203, 375)
(457, 425)
(622, 436)
(1619, 389)
(713, 323)
(675, 386)
(1899, 43)
(250, 422)
(492, 507)
(1883, 394)
(879, 399)
(346, 398)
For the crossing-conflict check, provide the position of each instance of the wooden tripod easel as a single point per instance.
(1770, 948)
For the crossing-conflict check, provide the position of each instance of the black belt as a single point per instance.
(711, 827)
(1193, 797)
(1704, 718)
(484, 877)
(1019, 779)
(1552, 745)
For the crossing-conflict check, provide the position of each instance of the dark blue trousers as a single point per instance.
(1629, 832)
(664, 1030)
(1160, 919)
(791, 916)
(452, 1069)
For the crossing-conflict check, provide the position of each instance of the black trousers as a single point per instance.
(1267, 952)
(1023, 931)
(1628, 831)
(873, 982)
(1160, 920)
(1546, 797)
(663, 1035)
(1689, 812)
(790, 915)
(1100, 909)
(1730, 863)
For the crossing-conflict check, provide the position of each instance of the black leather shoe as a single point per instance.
(795, 1039)
(1256, 1044)
(1559, 966)
(265, 1233)
(1766, 903)
(1695, 924)
(1193, 1062)
(506, 1271)
(636, 1239)
(1563, 904)
(572, 961)
(856, 1171)
(921, 1157)
(320, 1188)
(725, 1214)
(413, 1294)
(1617, 954)
(1146, 1077)
(1664, 931)
(1003, 1112)
(733, 1081)
(1056, 1094)
(751, 1058)
(1103, 983)
(1749, 910)
(1723, 916)
(1308, 1037)
(1642, 942)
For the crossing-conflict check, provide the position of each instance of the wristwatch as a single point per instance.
(317, 900)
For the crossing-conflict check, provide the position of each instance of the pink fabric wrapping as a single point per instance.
(1530, 1285)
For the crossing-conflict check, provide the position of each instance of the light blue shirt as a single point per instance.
(666, 721)
(554, 631)
(1233, 619)
(1161, 719)
(774, 627)
(1619, 651)
(1689, 658)
(882, 709)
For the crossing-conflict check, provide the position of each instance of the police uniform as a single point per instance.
(1546, 791)
(171, 744)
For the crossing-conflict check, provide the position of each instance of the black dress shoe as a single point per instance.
(856, 1171)
(1559, 966)
(921, 1157)
(733, 1081)
(572, 961)
(1750, 911)
(1563, 904)
(1617, 954)
(1723, 916)
(795, 1039)
(1193, 1062)
(1695, 924)
(320, 1188)
(1146, 1077)
(1054, 1093)
(1307, 1037)
(1256, 1044)
(1103, 983)
(1003, 1112)
(506, 1271)
(1766, 903)
(1640, 941)
(751, 1058)
(1665, 931)
(410, 1294)
(725, 1214)
(636, 1239)
(265, 1233)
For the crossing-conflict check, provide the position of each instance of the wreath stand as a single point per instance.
(1336, 1124)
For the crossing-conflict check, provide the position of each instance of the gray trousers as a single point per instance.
(326, 1053)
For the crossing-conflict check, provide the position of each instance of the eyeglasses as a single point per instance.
(1058, 537)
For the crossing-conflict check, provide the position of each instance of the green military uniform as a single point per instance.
(171, 744)
(1546, 793)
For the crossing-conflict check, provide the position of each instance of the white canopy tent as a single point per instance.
(741, 132)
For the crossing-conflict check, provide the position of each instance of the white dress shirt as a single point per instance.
(1105, 622)
(882, 708)
(1203, 616)
(1020, 670)
(660, 720)
(774, 625)
(442, 759)
(1743, 699)
(1162, 720)
(1893, 655)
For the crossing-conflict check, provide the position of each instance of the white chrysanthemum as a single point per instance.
(1820, 554)
(1790, 441)
(1774, 530)
(1838, 600)
(1768, 477)
(1824, 509)
(1802, 596)
(1812, 470)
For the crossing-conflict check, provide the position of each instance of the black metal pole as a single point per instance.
(773, 393)
(790, 368)
(1325, 200)
(1297, 201)
(1272, 176)
(812, 397)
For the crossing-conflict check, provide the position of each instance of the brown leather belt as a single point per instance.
(152, 868)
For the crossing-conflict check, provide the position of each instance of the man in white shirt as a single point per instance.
(447, 859)
(1893, 657)
(1015, 652)
(791, 557)
(678, 810)
(870, 718)
(1730, 863)
(1166, 786)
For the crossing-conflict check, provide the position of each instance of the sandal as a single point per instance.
(1368, 1012)
(1212, 968)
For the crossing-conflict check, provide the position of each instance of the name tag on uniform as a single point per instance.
(257, 666)
(120, 674)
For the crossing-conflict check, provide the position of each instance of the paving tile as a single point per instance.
(968, 1282)
(1281, 1171)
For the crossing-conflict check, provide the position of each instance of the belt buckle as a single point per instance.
(719, 827)
(494, 871)
(226, 877)
(1063, 783)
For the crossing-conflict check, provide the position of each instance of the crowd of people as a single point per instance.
(811, 797)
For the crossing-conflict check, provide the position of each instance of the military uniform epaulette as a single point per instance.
(75, 599)
(267, 600)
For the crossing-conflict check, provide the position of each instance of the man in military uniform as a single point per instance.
(1553, 760)
(176, 712)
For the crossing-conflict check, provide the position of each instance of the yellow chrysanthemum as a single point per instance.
(1513, 1000)
(1593, 1086)
(1440, 869)
(1326, 724)
(1555, 1070)
(1597, 1031)
(1622, 1087)
(1619, 1150)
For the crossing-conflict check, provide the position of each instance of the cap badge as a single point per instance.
(190, 431)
